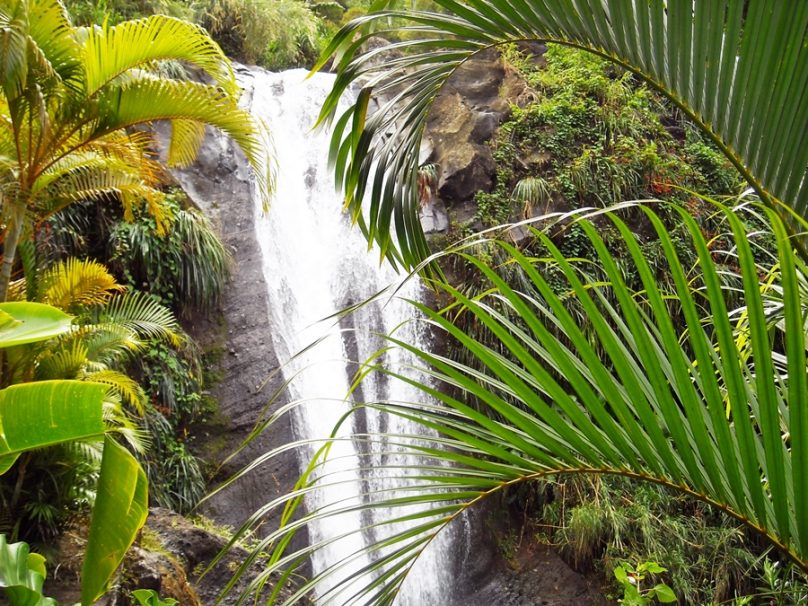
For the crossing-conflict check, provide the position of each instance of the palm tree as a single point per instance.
(75, 100)
(110, 326)
(715, 408)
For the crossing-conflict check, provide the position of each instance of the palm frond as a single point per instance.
(116, 419)
(37, 36)
(143, 315)
(124, 386)
(146, 100)
(186, 139)
(205, 261)
(107, 343)
(644, 400)
(78, 283)
(110, 51)
(737, 68)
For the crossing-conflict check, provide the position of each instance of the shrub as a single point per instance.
(276, 34)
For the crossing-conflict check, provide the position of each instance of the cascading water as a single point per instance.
(315, 264)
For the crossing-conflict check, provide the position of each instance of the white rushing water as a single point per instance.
(315, 264)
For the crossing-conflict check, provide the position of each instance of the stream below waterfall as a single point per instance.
(316, 263)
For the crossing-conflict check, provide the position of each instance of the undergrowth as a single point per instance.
(598, 522)
(185, 270)
(593, 136)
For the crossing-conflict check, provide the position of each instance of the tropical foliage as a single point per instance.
(110, 328)
(73, 97)
(668, 384)
(185, 270)
(276, 34)
(720, 73)
(44, 413)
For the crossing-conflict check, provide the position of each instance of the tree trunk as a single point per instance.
(10, 243)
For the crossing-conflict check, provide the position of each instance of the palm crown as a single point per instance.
(75, 98)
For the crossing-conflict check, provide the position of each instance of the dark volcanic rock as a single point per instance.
(194, 549)
(173, 559)
(534, 576)
(543, 579)
(220, 184)
(464, 117)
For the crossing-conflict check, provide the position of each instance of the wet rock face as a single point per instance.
(463, 118)
(534, 575)
(542, 579)
(219, 183)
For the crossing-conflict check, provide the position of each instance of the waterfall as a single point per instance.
(315, 264)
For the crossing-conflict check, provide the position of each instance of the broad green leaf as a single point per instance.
(664, 594)
(22, 575)
(149, 597)
(24, 322)
(121, 508)
(36, 415)
(632, 597)
(653, 568)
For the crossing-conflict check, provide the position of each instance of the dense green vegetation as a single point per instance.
(276, 34)
(594, 136)
(672, 371)
(661, 343)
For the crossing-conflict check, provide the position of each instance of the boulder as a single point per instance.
(173, 559)
(464, 117)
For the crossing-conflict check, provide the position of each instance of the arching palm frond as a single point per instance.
(206, 261)
(119, 165)
(148, 99)
(636, 396)
(101, 180)
(37, 38)
(737, 68)
(107, 343)
(143, 315)
(77, 283)
(114, 50)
